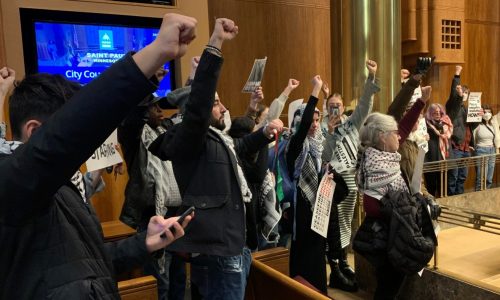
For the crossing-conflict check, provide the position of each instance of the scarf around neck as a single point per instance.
(246, 194)
(380, 173)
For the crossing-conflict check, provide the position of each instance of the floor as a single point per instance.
(470, 253)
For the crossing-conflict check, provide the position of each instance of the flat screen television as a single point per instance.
(80, 46)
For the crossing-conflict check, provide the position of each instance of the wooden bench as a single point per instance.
(116, 230)
(276, 258)
(269, 278)
(142, 288)
(265, 283)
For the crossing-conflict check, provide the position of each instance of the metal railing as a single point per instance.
(443, 166)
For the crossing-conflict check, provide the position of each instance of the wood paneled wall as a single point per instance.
(481, 57)
(293, 34)
(108, 203)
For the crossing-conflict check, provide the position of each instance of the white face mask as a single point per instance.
(465, 97)
(487, 116)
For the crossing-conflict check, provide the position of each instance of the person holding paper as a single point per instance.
(307, 252)
(50, 237)
(456, 107)
(485, 141)
(379, 176)
(340, 151)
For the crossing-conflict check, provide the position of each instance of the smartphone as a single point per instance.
(180, 220)
(334, 111)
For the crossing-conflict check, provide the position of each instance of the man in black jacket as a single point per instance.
(462, 135)
(206, 168)
(52, 243)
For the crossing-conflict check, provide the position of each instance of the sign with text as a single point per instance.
(106, 155)
(474, 109)
(323, 205)
(256, 75)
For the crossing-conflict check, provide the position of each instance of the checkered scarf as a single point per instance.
(380, 173)
(308, 163)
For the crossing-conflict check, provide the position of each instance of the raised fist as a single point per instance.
(371, 65)
(224, 29)
(293, 83)
(7, 77)
(316, 81)
(426, 93)
(176, 32)
(325, 89)
(404, 74)
(458, 70)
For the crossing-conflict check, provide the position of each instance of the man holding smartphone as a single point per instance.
(340, 151)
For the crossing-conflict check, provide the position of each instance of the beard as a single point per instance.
(218, 123)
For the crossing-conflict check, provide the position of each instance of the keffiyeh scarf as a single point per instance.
(308, 163)
(380, 173)
(246, 194)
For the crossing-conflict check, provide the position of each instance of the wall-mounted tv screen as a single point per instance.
(80, 46)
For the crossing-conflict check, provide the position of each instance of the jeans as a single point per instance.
(220, 277)
(172, 282)
(490, 166)
(457, 177)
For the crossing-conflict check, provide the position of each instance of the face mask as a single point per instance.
(465, 97)
(487, 116)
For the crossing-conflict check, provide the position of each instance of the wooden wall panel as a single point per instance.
(108, 203)
(294, 35)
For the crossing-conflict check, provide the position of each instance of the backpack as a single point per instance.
(277, 165)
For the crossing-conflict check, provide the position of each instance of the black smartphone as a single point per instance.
(180, 220)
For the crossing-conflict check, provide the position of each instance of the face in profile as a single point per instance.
(218, 110)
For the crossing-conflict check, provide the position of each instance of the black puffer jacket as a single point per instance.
(408, 249)
(404, 235)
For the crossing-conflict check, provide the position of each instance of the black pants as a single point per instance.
(433, 183)
(389, 281)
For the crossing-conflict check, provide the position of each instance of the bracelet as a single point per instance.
(215, 49)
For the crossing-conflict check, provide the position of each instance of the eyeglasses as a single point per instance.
(392, 131)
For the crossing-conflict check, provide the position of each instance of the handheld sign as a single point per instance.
(106, 155)
(474, 109)
(256, 75)
(323, 206)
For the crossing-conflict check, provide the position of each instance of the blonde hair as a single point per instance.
(375, 124)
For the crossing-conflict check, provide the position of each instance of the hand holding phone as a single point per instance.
(180, 221)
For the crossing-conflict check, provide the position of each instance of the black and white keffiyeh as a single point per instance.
(308, 163)
(380, 173)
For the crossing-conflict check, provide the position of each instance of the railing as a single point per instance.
(443, 166)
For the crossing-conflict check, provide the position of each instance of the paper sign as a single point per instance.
(417, 93)
(474, 109)
(106, 155)
(323, 206)
(422, 132)
(256, 75)
(345, 154)
(416, 179)
(292, 107)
